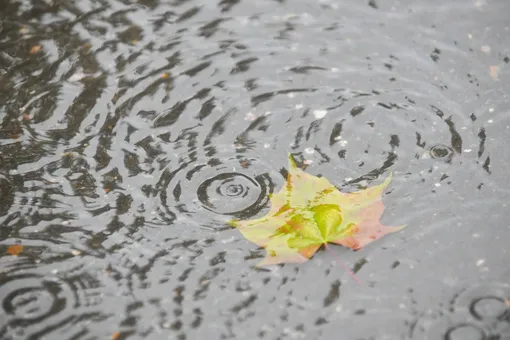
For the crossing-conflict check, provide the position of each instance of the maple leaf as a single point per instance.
(309, 212)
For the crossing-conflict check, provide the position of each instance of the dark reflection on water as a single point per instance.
(131, 131)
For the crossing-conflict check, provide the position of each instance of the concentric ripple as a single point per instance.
(6, 195)
(35, 306)
(449, 328)
(465, 332)
(217, 190)
(33, 301)
(241, 192)
(486, 303)
(476, 313)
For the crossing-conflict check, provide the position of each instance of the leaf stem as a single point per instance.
(344, 266)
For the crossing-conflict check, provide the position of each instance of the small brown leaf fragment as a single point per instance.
(26, 117)
(107, 190)
(35, 49)
(494, 72)
(15, 249)
(164, 75)
(115, 335)
(507, 302)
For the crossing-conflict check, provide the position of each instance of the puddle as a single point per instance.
(132, 131)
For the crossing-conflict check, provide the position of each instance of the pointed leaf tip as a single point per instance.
(395, 229)
(387, 180)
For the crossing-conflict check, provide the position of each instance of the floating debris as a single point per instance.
(35, 49)
(494, 72)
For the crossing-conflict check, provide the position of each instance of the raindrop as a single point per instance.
(440, 151)
(217, 191)
(229, 193)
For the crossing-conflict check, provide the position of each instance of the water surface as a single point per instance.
(131, 131)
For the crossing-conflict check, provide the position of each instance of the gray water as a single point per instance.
(132, 131)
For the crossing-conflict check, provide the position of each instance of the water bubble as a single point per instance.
(440, 151)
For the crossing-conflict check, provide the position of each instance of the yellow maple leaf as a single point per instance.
(309, 212)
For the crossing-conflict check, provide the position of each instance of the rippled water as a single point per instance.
(131, 131)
